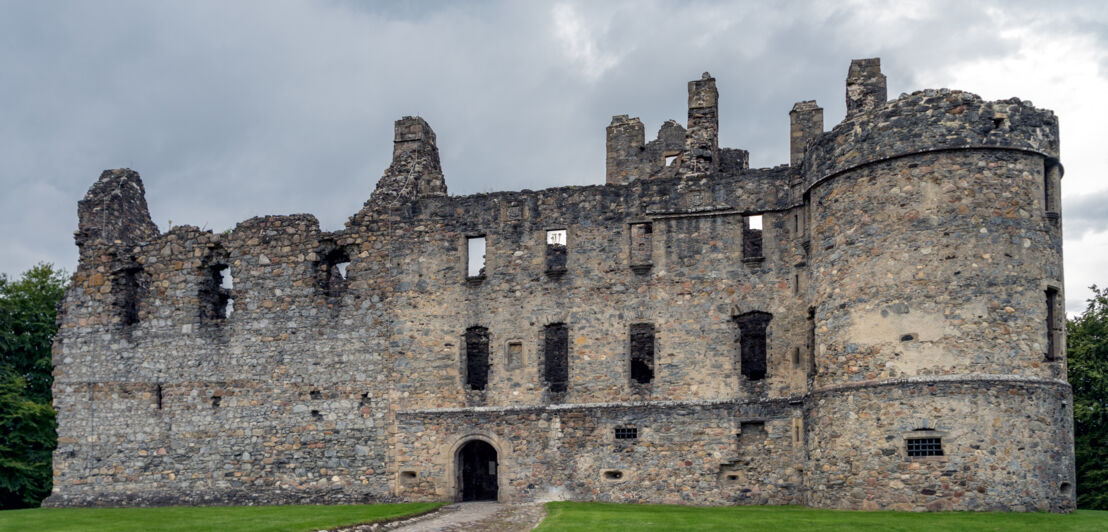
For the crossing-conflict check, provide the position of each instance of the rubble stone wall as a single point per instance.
(901, 267)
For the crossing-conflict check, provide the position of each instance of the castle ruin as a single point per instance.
(876, 325)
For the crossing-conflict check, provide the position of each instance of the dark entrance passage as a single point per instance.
(477, 472)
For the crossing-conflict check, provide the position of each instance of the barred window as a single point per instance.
(925, 447)
(627, 433)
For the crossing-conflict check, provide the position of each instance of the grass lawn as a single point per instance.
(252, 518)
(571, 516)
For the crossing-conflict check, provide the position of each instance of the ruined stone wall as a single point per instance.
(896, 276)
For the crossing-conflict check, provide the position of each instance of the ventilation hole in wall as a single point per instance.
(408, 475)
(316, 414)
(1065, 489)
(908, 337)
(613, 475)
(796, 356)
(216, 400)
(626, 433)
(364, 400)
(315, 394)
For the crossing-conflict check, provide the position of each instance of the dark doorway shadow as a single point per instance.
(476, 467)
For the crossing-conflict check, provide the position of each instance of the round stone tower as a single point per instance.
(936, 286)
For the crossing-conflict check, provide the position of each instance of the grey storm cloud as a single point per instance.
(236, 109)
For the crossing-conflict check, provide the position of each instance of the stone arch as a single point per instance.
(475, 466)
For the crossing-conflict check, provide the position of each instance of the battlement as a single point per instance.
(693, 330)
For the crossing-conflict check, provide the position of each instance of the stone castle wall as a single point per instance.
(897, 289)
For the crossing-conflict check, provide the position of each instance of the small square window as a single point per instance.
(925, 447)
(627, 433)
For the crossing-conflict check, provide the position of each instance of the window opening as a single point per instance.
(752, 237)
(670, 159)
(216, 400)
(626, 433)
(476, 249)
(128, 287)
(556, 250)
(796, 356)
(158, 390)
(477, 358)
(1053, 329)
(332, 272)
(924, 447)
(556, 357)
(811, 339)
(641, 244)
(642, 353)
(613, 475)
(215, 294)
(752, 343)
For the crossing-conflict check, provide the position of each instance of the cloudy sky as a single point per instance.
(235, 109)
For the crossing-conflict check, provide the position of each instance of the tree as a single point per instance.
(1087, 351)
(28, 314)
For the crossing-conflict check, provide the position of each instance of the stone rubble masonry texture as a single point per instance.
(905, 258)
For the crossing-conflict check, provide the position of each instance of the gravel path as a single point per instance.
(468, 517)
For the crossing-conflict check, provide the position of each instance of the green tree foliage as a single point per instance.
(28, 313)
(1087, 351)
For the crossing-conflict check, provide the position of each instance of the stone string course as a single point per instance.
(905, 258)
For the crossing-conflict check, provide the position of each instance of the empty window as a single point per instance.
(332, 272)
(752, 343)
(556, 357)
(159, 396)
(556, 250)
(128, 285)
(641, 245)
(1053, 325)
(670, 159)
(626, 433)
(476, 252)
(924, 446)
(642, 353)
(811, 339)
(477, 358)
(752, 237)
(216, 302)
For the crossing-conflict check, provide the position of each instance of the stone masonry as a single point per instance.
(875, 325)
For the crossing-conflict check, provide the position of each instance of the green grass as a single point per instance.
(571, 516)
(180, 518)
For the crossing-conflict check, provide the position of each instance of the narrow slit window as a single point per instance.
(475, 247)
(752, 237)
(642, 353)
(626, 433)
(811, 339)
(477, 358)
(556, 357)
(752, 344)
(918, 447)
(1053, 327)
(556, 250)
(641, 243)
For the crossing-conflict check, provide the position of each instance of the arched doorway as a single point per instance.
(476, 469)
